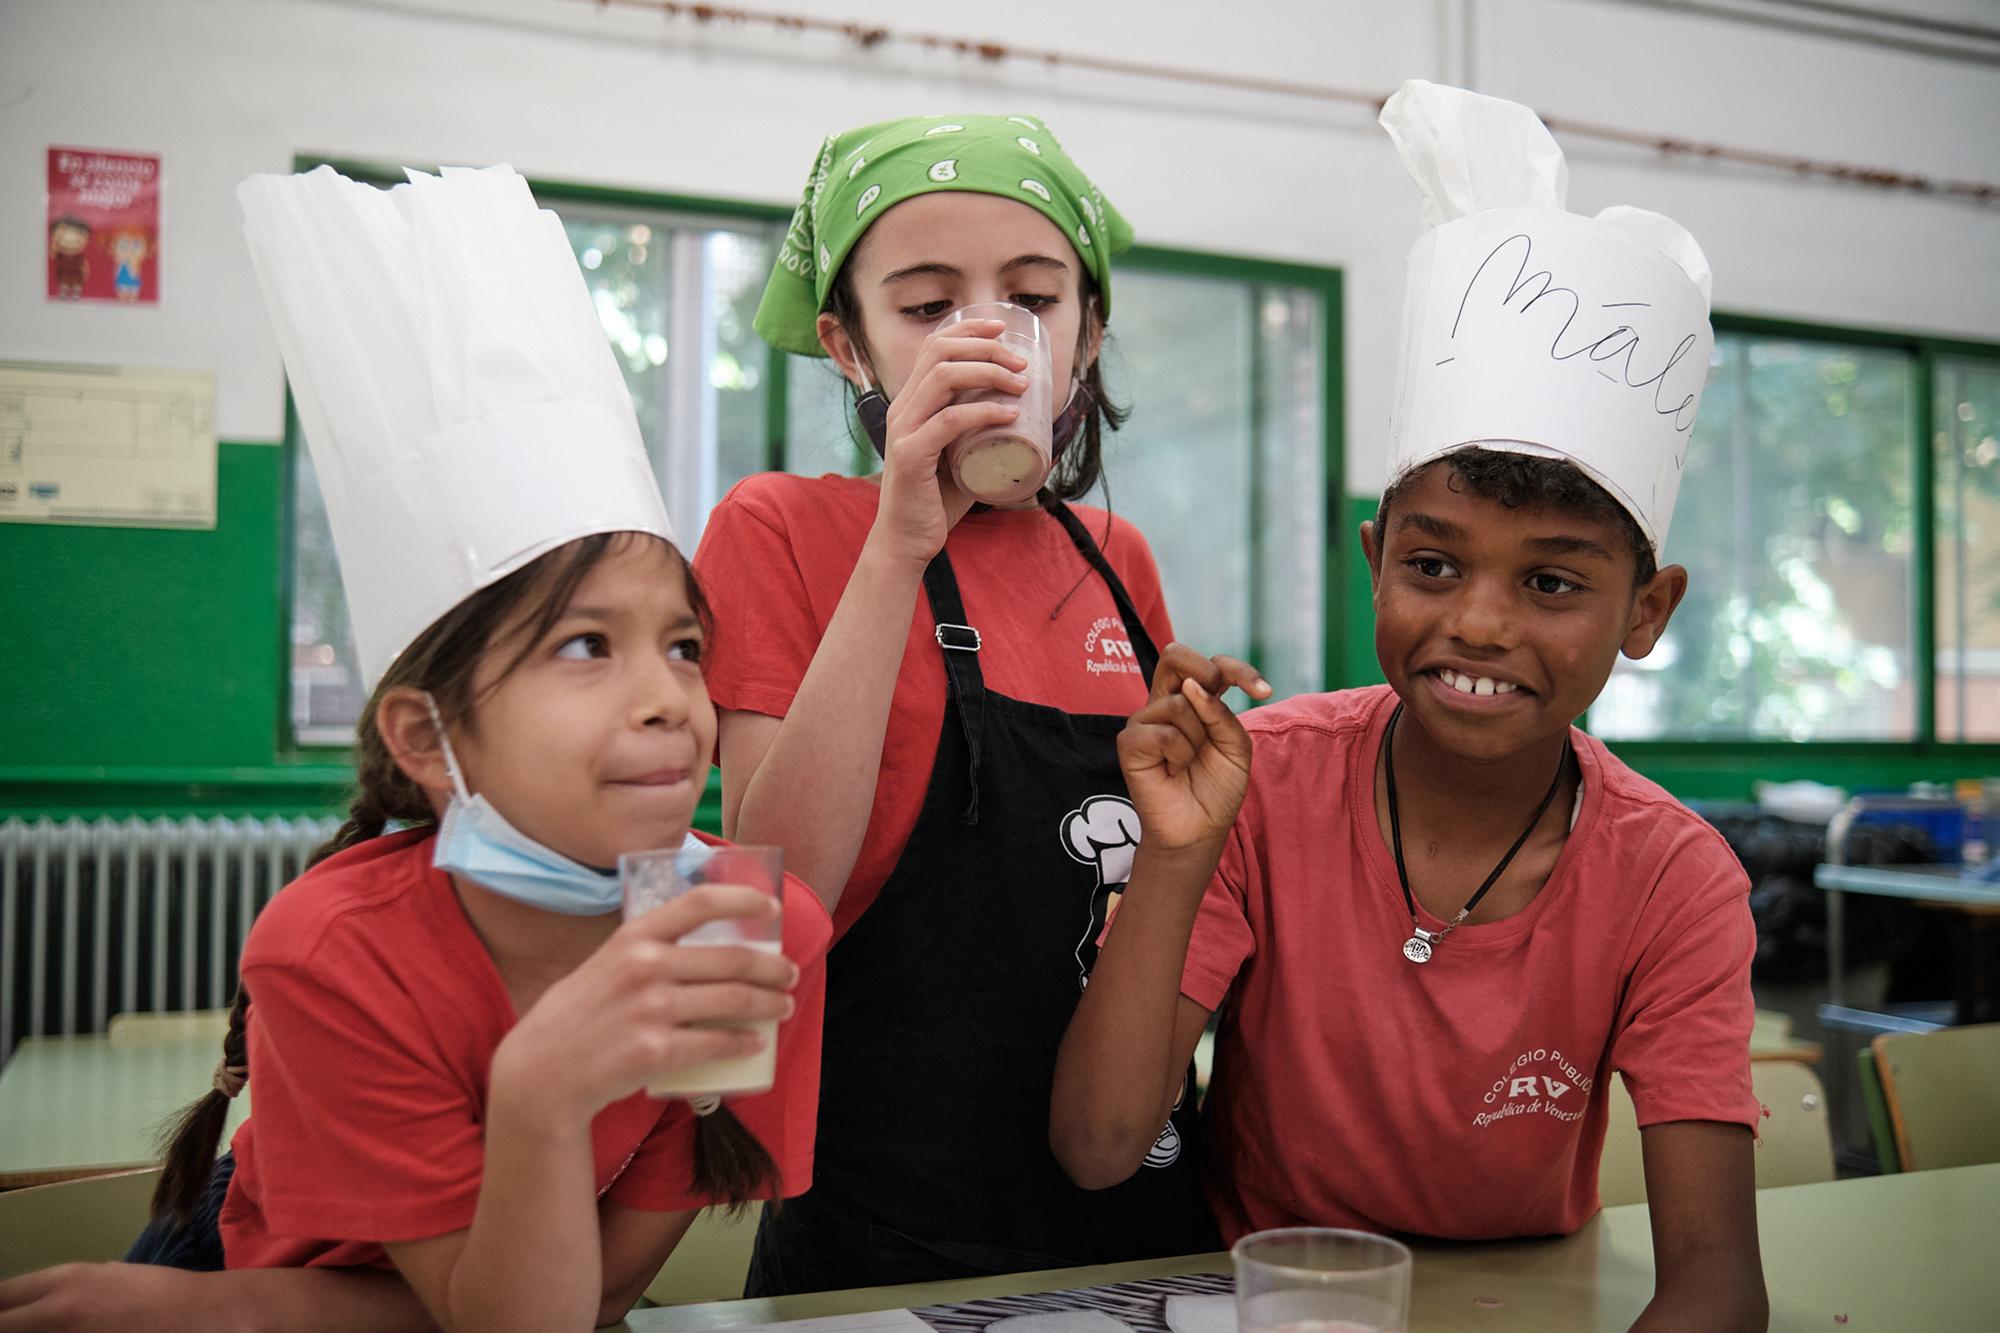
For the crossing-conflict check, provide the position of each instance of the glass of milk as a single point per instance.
(653, 878)
(1319, 1280)
(1007, 463)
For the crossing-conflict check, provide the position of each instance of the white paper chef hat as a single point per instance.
(462, 406)
(1528, 329)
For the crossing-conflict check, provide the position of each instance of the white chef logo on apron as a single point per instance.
(1104, 832)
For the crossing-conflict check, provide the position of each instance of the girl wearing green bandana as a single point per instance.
(922, 709)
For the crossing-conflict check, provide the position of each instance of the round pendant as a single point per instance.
(1417, 949)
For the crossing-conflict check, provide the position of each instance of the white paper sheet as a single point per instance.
(1201, 1314)
(874, 1321)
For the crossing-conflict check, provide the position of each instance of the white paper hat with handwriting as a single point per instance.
(1530, 329)
(461, 403)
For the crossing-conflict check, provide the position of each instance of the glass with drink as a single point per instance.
(653, 878)
(1009, 462)
(1319, 1280)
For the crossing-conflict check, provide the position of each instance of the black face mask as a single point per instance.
(872, 408)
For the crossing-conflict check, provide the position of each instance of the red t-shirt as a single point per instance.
(1353, 1088)
(776, 556)
(374, 1014)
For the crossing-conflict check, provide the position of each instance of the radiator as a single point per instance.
(109, 916)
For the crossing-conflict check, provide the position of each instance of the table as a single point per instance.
(1944, 885)
(1908, 1253)
(79, 1106)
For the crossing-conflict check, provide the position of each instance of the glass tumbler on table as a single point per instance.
(1320, 1280)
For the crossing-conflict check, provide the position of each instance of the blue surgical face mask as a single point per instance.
(476, 841)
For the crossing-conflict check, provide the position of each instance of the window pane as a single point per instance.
(662, 289)
(675, 296)
(1221, 463)
(1967, 421)
(326, 683)
(1290, 587)
(821, 437)
(1794, 523)
(1180, 356)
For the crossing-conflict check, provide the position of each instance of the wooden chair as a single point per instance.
(1795, 1147)
(711, 1261)
(92, 1220)
(1943, 1093)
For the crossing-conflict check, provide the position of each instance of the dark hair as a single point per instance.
(69, 220)
(1524, 481)
(1081, 463)
(730, 1164)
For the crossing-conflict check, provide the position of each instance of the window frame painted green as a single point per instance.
(1694, 769)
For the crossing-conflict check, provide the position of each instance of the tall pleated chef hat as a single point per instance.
(460, 400)
(1529, 329)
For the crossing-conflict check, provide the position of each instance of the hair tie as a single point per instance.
(229, 1079)
(705, 1105)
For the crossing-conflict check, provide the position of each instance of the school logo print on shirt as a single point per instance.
(1107, 649)
(1539, 1082)
(1103, 833)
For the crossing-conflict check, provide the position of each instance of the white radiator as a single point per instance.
(110, 916)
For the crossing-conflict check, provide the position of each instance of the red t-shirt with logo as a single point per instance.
(374, 1014)
(775, 559)
(1461, 1098)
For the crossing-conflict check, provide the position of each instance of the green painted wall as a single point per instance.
(1357, 640)
(144, 666)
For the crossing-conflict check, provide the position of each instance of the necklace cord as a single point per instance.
(1396, 828)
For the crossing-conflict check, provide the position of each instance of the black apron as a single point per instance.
(947, 999)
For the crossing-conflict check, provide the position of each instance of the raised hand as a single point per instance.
(1185, 755)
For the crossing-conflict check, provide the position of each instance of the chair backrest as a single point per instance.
(93, 1219)
(1621, 1172)
(1943, 1091)
(711, 1262)
(1795, 1144)
(1881, 1133)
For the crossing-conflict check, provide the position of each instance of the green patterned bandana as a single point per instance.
(860, 175)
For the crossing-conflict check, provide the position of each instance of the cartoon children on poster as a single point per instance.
(104, 226)
(69, 259)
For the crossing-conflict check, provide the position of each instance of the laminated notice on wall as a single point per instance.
(107, 445)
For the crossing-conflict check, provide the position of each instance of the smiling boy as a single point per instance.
(1444, 918)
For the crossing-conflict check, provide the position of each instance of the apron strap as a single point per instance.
(960, 643)
(1086, 546)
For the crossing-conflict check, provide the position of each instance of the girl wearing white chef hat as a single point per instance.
(449, 1028)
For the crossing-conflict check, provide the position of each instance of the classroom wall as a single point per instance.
(148, 663)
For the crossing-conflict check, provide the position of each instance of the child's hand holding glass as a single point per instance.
(649, 1002)
(932, 409)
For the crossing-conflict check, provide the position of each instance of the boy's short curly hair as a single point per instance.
(1524, 481)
